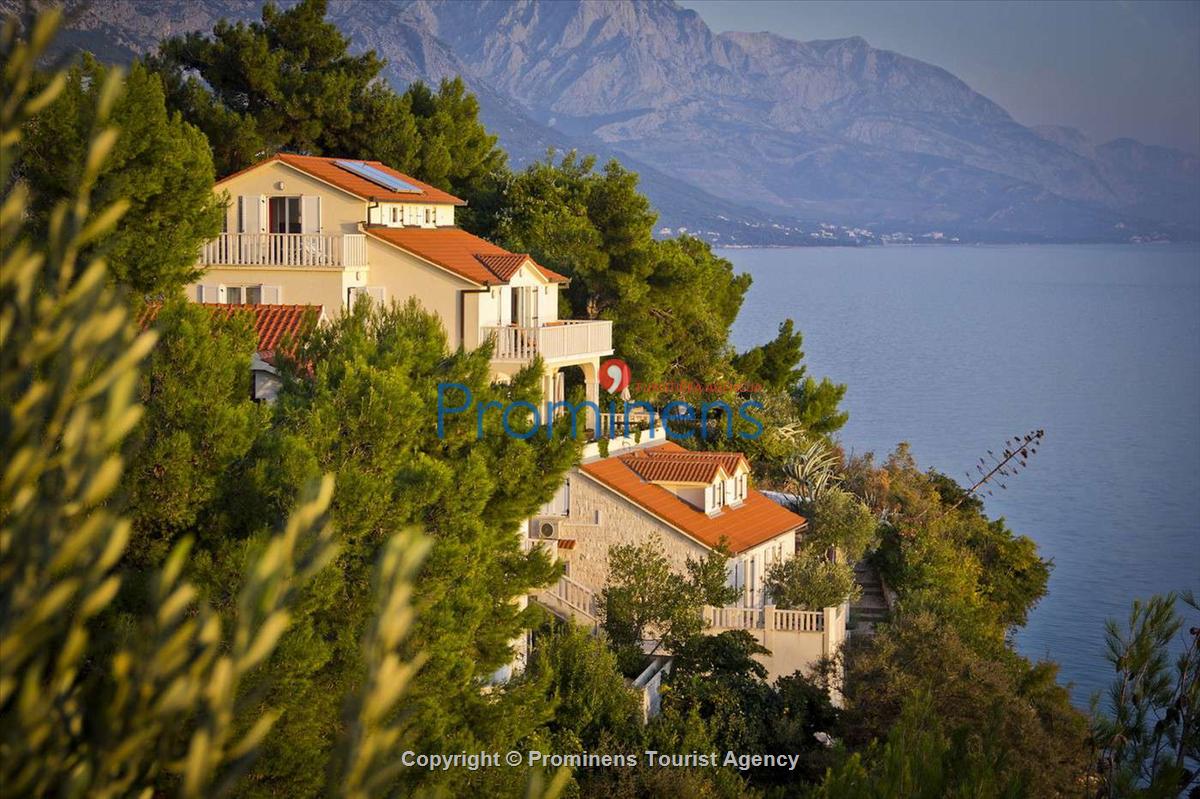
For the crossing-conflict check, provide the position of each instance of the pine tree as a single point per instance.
(359, 401)
(289, 83)
(160, 164)
(187, 453)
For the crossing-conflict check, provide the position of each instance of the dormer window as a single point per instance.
(708, 481)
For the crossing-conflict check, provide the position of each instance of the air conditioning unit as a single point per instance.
(544, 528)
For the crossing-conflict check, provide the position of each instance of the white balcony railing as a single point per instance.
(555, 340)
(285, 249)
(575, 595)
(770, 618)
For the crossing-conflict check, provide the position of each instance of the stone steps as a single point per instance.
(871, 607)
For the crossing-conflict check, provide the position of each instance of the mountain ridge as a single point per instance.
(746, 137)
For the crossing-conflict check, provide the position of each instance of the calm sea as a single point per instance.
(954, 349)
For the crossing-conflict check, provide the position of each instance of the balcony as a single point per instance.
(552, 341)
(286, 249)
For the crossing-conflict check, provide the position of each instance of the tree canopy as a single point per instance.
(645, 596)
(672, 302)
(357, 402)
(290, 83)
(159, 164)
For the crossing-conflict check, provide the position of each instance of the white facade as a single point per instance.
(293, 237)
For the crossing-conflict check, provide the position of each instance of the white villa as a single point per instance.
(304, 230)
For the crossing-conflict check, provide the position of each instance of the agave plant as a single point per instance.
(810, 472)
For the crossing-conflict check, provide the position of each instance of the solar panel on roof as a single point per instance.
(377, 176)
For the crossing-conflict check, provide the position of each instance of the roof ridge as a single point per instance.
(324, 167)
(682, 454)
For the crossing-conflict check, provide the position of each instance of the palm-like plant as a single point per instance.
(810, 472)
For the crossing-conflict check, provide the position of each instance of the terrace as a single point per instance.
(286, 249)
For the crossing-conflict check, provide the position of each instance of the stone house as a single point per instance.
(691, 502)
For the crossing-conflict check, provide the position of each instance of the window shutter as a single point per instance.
(378, 294)
(272, 295)
(254, 213)
(310, 214)
(208, 293)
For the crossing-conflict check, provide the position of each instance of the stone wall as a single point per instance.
(620, 522)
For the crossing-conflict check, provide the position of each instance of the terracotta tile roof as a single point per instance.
(662, 465)
(502, 266)
(665, 470)
(756, 520)
(328, 171)
(275, 324)
(456, 250)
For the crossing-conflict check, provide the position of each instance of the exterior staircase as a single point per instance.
(570, 600)
(872, 607)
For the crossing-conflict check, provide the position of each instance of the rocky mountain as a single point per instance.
(748, 137)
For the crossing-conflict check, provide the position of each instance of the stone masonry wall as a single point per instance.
(621, 523)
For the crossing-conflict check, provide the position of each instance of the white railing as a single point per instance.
(554, 340)
(798, 621)
(733, 618)
(574, 595)
(285, 249)
(793, 621)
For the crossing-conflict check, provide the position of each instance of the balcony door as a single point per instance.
(283, 215)
(524, 306)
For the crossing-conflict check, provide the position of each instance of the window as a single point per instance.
(283, 215)
(241, 219)
(515, 299)
(243, 295)
(395, 214)
(428, 220)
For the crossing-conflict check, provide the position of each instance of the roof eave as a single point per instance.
(435, 264)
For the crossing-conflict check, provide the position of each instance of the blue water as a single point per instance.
(955, 349)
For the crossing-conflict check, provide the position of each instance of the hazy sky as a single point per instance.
(1108, 68)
